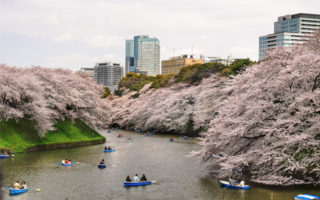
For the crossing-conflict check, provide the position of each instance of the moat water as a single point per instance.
(177, 176)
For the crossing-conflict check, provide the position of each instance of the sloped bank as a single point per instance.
(21, 136)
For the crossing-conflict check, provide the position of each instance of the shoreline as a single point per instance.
(21, 136)
(65, 145)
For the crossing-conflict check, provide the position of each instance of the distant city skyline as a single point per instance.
(76, 34)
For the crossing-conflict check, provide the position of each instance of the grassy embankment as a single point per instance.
(21, 135)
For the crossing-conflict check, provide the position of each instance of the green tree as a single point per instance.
(106, 93)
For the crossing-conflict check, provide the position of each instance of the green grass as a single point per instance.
(20, 135)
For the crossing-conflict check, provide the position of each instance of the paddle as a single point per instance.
(36, 189)
(108, 165)
(4, 188)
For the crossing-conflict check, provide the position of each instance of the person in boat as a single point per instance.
(66, 161)
(241, 183)
(5, 153)
(172, 139)
(109, 148)
(102, 162)
(129, 139)
(105, 148)
(128, 179)
(23, 185)
(143, 178)
(135, 178)
(16, 185)
(231, 181)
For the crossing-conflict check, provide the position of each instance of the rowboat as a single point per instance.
(108, 150)
(172, 140)
(64, 164)
(228, 185)
(4, 156)
(306, 197)
(101, 166)
(18, 191)
(141, 183)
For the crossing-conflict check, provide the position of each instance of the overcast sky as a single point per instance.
(78, 33)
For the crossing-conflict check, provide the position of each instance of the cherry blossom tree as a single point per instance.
(48, 95)
(268, 126)
(262, 125)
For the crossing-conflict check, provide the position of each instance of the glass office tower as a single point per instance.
(146, 55)
(129, 63)
(289, 30)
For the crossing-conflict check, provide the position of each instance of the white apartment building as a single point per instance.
(289, 30)
(108, 74)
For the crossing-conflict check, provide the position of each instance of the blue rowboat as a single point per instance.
(228, 185)
(306, 197)
(172, 140)
(109, 131)
(141, 183)
(101, 166)
(18, 191)
(4, 156)
(106, 150)
(63, 164)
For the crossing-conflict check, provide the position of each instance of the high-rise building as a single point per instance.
(210, 59)
(88, 71)
(289, 30)
(108, 74)
(174, 64)
(129, 63)
(146, 55)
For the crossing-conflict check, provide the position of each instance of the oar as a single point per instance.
(36, 189)
(108, 165)
(4, 188)
(59, 163)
